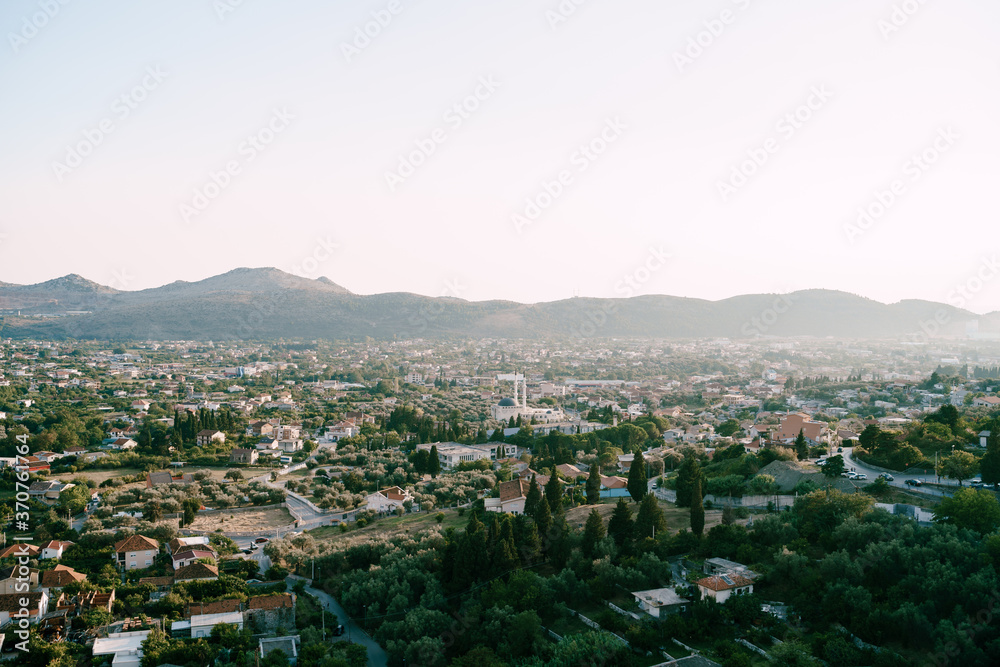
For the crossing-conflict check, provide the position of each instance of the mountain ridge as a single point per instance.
(260, 303)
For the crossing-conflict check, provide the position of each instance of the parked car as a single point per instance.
(887, 477)
(840, 449)
(915, 482)
(976, 481)
(338, 631)
(248, 551)
(860, 475)
(262, 540)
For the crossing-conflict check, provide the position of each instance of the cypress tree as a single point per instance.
(697, 509)
(650, 519)
(637, 482)
(801, 447)
(553, 490)
(593, 533)
(532, 499)
(543, 519)
(594, 485)
(433, 463)
(689, 471)
(620, 525)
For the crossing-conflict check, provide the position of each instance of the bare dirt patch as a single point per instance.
(243, 522)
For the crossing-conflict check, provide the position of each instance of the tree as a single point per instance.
(960, 465)
(543, 518)
(975, 509)
(554, 491)
(593, 532)
(152, 512)
(433, 462)
(728, 427)
(834, 466)
(637, 482)
(190, 507)
(649, 518)
(620, 525)
(989, 465)
(594, 485)
(801, 446)
(697, 510)
(689, 471)
(532, 499)
(234, 475)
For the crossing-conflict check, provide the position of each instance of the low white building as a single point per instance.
(125, 646)
(200, 625)
(387, 500)
(660, 602)
(721, 587)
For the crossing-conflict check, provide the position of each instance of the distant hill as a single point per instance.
(266, 303)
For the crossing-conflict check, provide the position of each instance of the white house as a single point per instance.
(387, 500)
(54, 549)
(721, 587)
(125, 646)
(660, 602)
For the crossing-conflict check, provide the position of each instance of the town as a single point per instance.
(788, 501)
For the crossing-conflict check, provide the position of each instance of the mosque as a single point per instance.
(509, 407)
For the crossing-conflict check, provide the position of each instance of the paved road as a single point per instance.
(263, 561)
(899, 479)
(353, 632)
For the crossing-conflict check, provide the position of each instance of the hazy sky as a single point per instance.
(701, 149)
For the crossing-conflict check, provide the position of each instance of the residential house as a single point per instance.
(986, 402)
(185, 543)
(126, 647)
(135, 552)
(200, 625)
(259, 428)
(12, 580)
(165, 477)
(513, 495)
(59, 576)
(815, 433)
(208, 436)
(287, 645)
(17, 550)
(187, 557)
(614, 487)
(54, 549)
(226, 606)
(122, 444)
(11, 605)
(271, 613)
(47, 491)
(721, 587)
(661, 602)
(196, 571)
(387, 500)
(290, 445)
(96, 600)
(243, 456)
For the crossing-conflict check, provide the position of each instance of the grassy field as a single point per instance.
(389, 527)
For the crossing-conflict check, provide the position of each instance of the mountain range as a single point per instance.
(265, 303)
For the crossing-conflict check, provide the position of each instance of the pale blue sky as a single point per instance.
(118, 218)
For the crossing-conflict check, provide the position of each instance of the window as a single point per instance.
(148, 563)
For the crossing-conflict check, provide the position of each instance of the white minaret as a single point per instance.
(524, 398)
(515, 388)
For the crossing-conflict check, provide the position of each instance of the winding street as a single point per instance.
(352, 631)
(899, 479)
